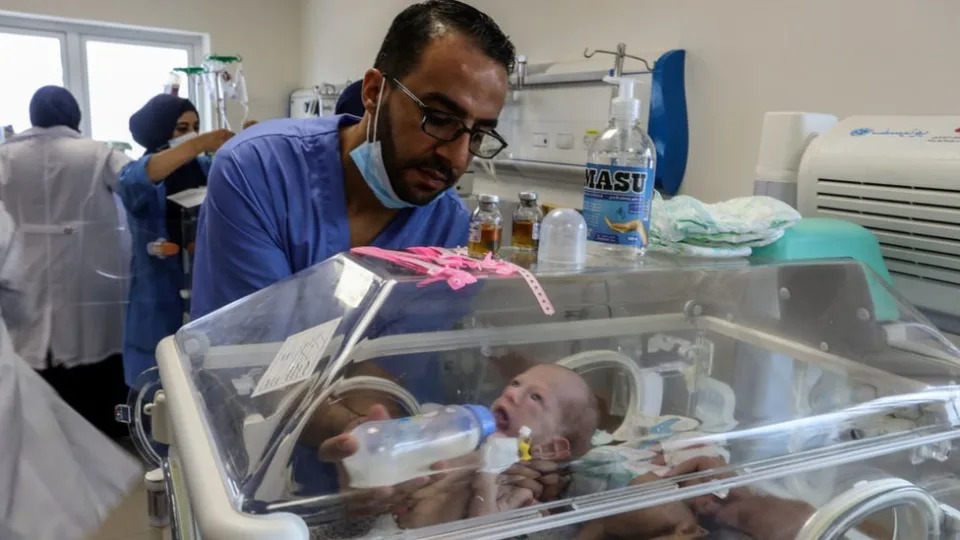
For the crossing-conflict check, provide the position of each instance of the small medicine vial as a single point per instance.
(526, 222)
(486, 228)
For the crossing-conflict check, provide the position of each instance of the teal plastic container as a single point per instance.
(826, 238)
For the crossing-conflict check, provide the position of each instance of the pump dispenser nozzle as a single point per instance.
(625, 106)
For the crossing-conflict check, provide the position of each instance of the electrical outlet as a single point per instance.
(539, 140)
(565, 141)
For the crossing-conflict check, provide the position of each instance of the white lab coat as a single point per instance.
(59, 476)
(58, 187)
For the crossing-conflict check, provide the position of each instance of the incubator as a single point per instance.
(808, 393)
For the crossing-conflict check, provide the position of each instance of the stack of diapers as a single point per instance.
(685, 226)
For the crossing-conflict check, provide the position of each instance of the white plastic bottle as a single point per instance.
(618, 184)
(394, 451)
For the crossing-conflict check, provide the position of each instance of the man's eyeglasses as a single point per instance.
(447, 127)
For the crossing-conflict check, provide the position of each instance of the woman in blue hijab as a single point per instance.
(54, 106)
(176, 159)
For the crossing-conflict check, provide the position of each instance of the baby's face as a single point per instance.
(535, 399)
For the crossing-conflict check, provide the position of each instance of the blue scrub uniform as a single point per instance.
(155, 310)
(276, 205)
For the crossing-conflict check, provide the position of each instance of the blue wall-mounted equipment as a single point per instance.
(667, 125)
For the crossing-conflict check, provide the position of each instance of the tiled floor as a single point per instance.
(128, 521)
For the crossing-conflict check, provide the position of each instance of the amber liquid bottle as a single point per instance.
(526, 222)
(486, 228)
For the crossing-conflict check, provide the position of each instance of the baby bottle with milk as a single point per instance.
(394, 451)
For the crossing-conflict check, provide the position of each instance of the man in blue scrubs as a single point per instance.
(287, 194)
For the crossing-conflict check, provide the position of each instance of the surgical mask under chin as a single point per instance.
(176, 141)
(369, 160)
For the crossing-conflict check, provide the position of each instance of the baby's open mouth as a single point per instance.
(502, 418)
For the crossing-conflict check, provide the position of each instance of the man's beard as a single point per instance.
(395, 170)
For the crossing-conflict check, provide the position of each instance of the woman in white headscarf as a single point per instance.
(59, 476)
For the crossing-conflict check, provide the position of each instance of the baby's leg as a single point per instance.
(593, 530)
(684, 532)
(658, 521)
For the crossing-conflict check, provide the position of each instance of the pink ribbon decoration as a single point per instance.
(456, 268)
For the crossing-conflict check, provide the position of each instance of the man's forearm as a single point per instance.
(328, 420)
(332, 418)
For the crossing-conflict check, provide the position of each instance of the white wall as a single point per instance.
(341, 37)
(266, 33)
(745, 57)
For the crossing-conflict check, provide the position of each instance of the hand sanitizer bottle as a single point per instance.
(618, 185)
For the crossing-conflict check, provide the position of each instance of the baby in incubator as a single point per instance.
(562, 413)
(558, 407)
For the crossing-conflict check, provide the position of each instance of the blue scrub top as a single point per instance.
(276, 205)
(155, 308)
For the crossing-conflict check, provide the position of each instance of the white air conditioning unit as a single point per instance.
(898, 176)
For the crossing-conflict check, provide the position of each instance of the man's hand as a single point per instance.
(364, 501)
(445, 499)
(336, 449)
(249, 123)
(211, 141)
(545, 479)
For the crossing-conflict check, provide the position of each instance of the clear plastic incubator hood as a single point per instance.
(732, 400)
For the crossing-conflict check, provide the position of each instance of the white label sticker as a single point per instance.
(475, 235)
(297, 358)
